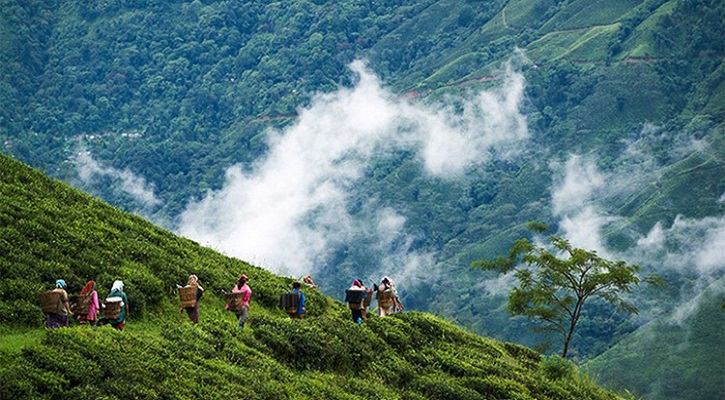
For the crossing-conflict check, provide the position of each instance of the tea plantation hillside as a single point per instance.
(51, 231)
(680, 356)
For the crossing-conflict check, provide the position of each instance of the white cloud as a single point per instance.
(577, 188)
(290, 210)
(581, 195)
(682, 312)
(491, 118)
(135, 186)
(501, 285)
(695, 244)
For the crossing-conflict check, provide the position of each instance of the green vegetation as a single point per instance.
(160, 354)
(176, 92)
(664, 352)
(555, 290)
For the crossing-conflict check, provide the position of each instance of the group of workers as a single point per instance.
(56, 305)
(359, 297)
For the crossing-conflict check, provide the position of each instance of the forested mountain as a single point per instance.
(403, 138)
(659, 357)
(50, 230)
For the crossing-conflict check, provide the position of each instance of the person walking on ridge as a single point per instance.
(354, 297)
(117, 292)
(193, 311)
(89, 297)
(309, 282)
(59, 319)
(242, 287)
(300, 312)
(385, 296)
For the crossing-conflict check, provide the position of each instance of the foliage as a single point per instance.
(176, 92)
(160, 354)
(692, 335)
(555, 367)
(555, 289)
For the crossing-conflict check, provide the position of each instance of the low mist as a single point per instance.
(289, 212)
(91, 172)
(584, 199)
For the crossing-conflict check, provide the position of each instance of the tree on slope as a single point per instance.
(552, 288)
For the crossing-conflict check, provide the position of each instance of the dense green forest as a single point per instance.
(50, 230)
(154, 105)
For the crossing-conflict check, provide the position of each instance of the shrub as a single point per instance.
(391, 331)
(22, 313)
(437, 387)
(527, 357)
(556, 368)
(494, 387)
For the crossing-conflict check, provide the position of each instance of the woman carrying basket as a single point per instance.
(241, 293)
(118, 293)
(88, 304)
(193, 310)
(61, 309)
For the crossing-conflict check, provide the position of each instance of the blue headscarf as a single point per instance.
(60, 284)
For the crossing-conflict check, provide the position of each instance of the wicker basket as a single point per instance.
(50, 302)
(187, 295)
(290, 301)
(385, 298)
(112, 308)
(368, 299)
(82, 304)
(234, 301)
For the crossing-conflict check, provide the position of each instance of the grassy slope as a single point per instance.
(680, 358)
(50, 230)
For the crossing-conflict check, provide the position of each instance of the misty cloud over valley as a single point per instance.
(290, 211)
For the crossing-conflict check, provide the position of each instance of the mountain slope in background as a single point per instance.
(602, 118)
(659, 357)
(51, 231)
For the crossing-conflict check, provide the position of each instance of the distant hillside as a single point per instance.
(51, 231)
(147, 104)
(679, 356)
(177, 92)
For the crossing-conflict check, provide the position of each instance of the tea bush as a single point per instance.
(494, 387)
(436, 387)
(391, 331)
(555, 368)
(523, 354)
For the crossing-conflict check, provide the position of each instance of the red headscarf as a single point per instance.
(90, 285)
